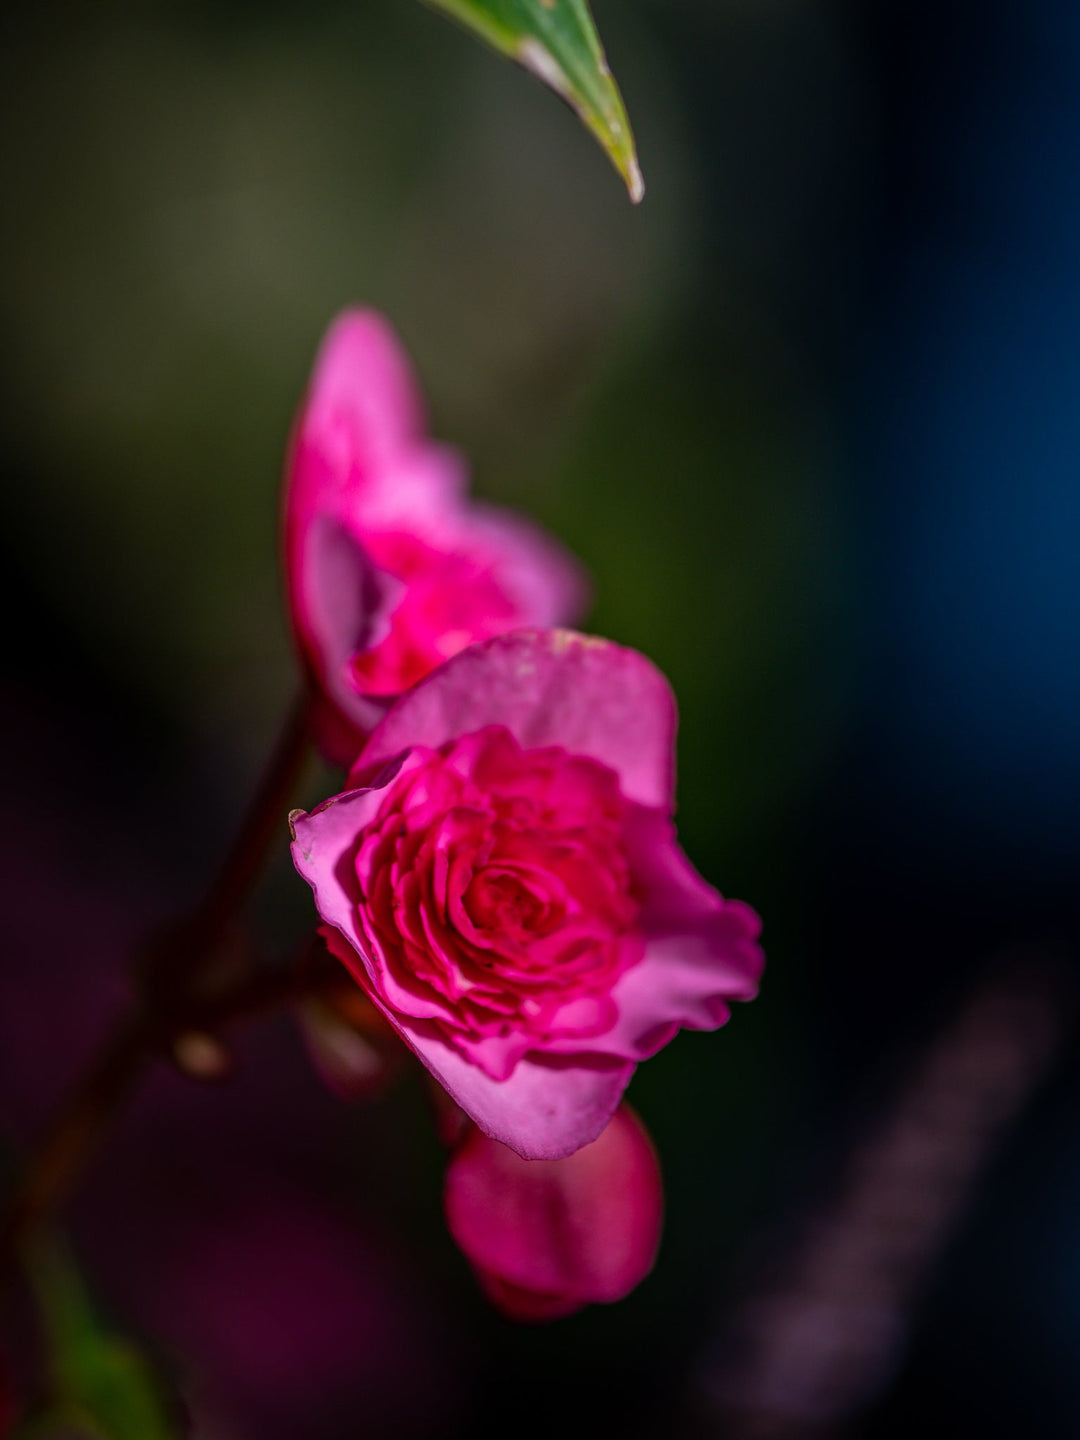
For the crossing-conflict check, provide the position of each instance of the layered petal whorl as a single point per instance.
(504, 880)
(496, 898)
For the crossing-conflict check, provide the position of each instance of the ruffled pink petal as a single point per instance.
(685, 981)
(322, 848)
(549, 1237)
(701, 951)
(548, 687)
(498, 1055)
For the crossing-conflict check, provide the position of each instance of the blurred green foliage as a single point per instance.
(101, 1386)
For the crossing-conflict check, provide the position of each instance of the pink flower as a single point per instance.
(504, 881)
(389, 569)
(546, 1237)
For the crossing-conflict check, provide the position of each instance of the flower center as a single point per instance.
(495, 888)
(504, 903)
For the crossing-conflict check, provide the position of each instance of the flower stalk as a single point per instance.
(176, 997)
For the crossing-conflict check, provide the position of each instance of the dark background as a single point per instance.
(809, 415)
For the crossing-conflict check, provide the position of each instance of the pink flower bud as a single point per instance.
(389, 568)
(546, 1237)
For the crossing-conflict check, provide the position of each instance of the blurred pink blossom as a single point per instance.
(389, 568)
(547, 1237)
(503, 880)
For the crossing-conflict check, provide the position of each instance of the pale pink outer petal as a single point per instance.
(550, 1106)
(323, 845)
(341, 603)
(548, 687)
(701, 950)
(420, 491)
(358, 449)
(541, 577)
(547, 1238)
(684, 982)
(362, 376)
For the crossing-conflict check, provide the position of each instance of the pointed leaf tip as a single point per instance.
(557, 41)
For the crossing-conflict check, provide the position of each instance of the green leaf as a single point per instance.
(102, 1387)
(557, 41)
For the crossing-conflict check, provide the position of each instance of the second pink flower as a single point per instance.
(389, 568)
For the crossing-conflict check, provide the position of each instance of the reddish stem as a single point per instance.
(68, 1143)
(73, 1136)
(263, 823)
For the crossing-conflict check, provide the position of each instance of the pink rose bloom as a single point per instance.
(503, 880)
(546, 1237)
(389, 568)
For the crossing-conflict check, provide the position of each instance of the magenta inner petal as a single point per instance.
(495, 897)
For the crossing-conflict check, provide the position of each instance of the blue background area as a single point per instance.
(973, 444)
